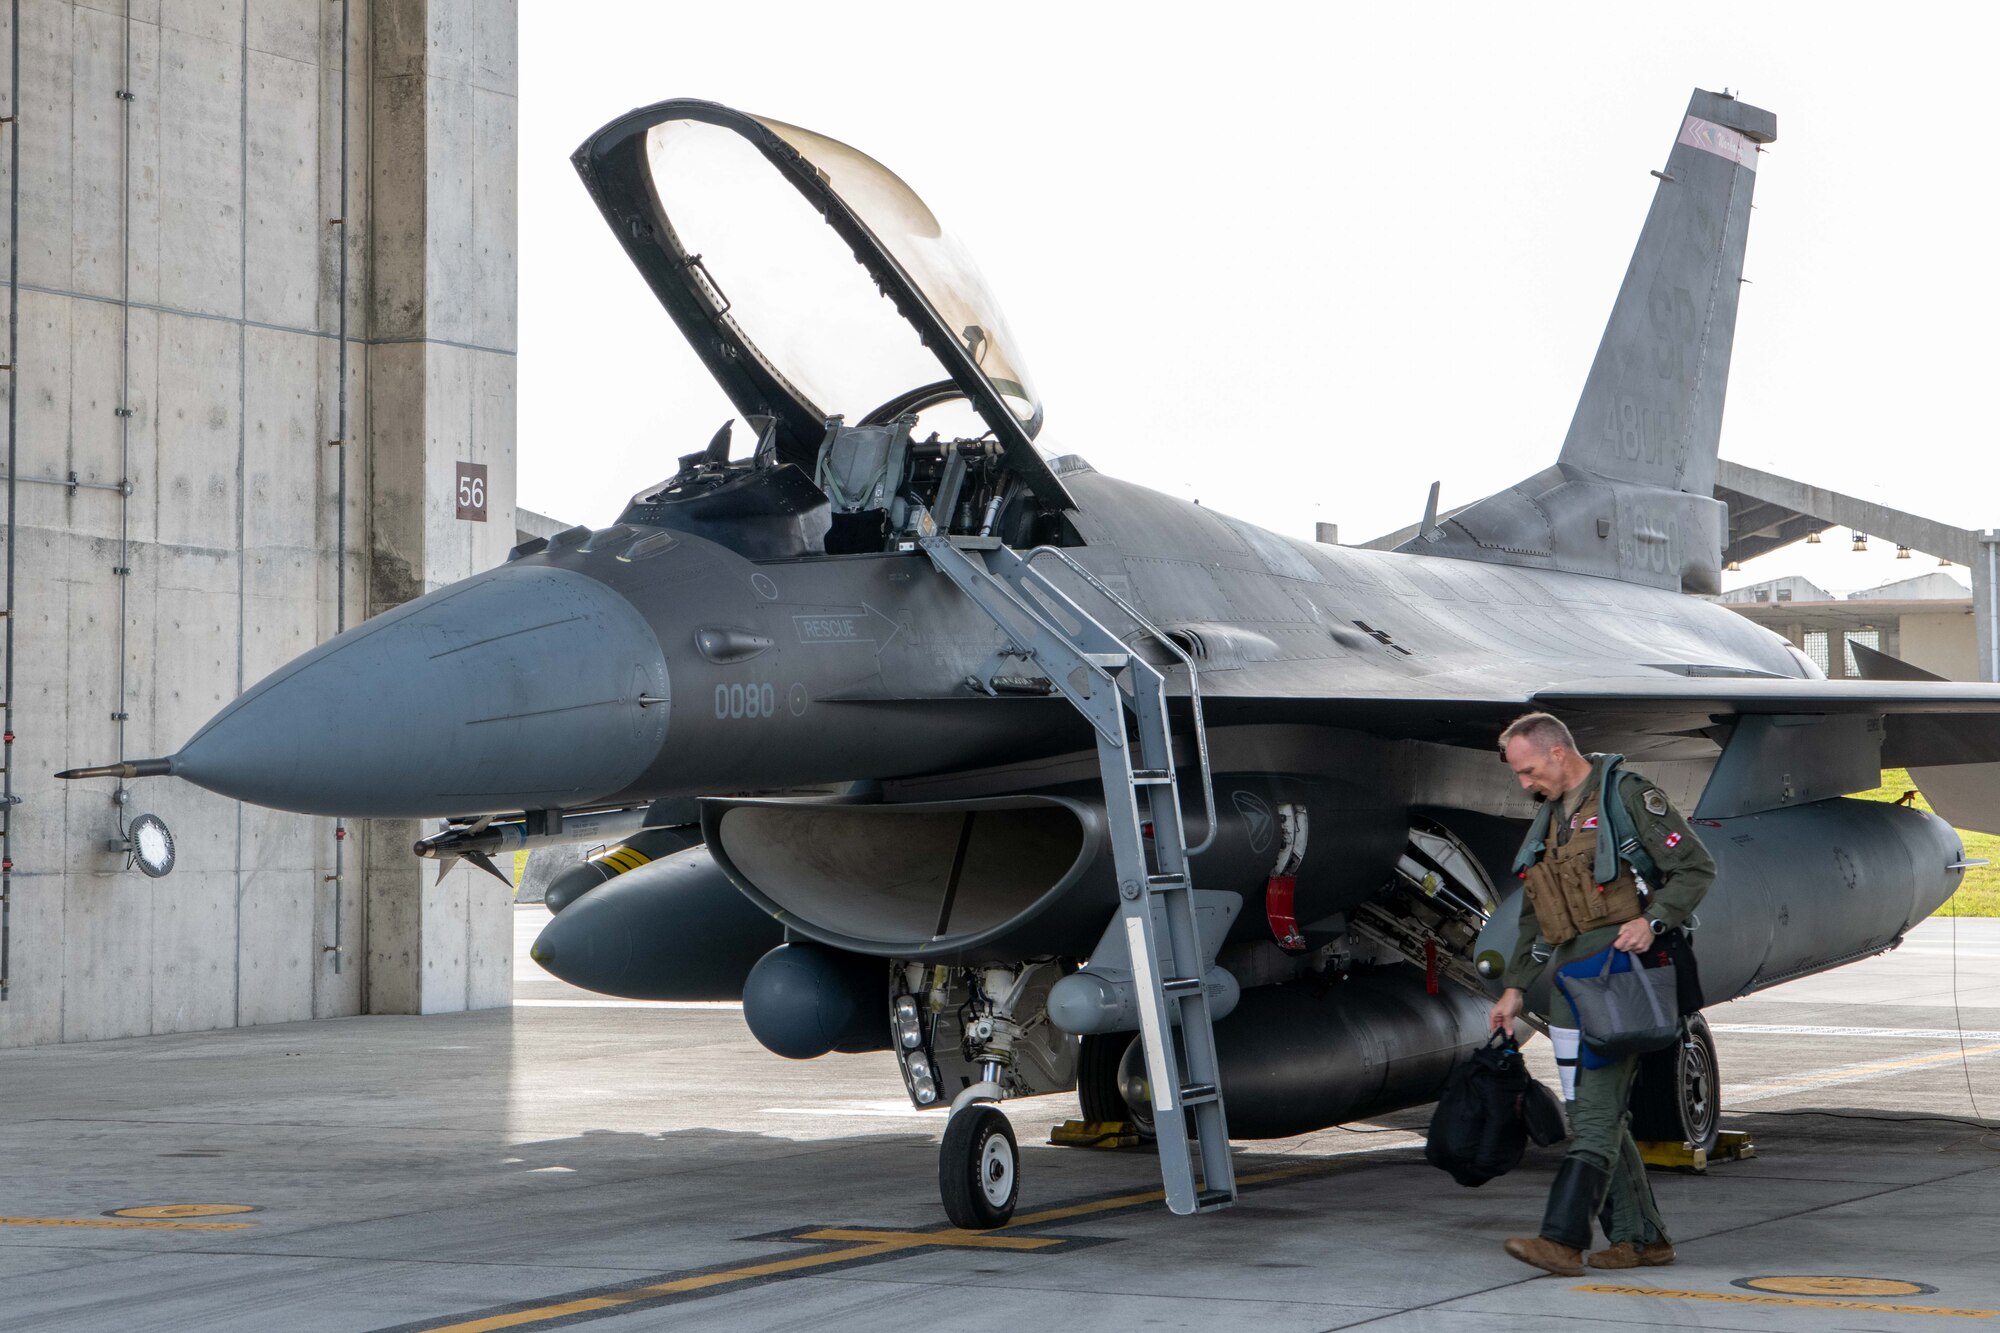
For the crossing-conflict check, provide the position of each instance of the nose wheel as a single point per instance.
(979, 1174)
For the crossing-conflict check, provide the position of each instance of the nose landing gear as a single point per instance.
(978, 1168)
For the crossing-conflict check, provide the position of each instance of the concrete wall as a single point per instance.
(177, 260)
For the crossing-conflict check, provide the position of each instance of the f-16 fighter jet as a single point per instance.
(930, 743)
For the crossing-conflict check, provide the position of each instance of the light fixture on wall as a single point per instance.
(149, 845)
(1733, 567)
(1812, 538)
(1860, 541)
(1902, 552)
(1943, 563)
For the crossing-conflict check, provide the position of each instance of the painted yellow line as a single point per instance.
(1848, 1074)
(974, 1240)
(1732, 1298)
(866, 1244)
(1086, 1209)
(121, 1224)
(543, 1313)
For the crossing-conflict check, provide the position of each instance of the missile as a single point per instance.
(485, 838)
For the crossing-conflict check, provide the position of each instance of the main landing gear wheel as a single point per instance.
(1677, 1096)
(1099, 1094)
(979, 1172)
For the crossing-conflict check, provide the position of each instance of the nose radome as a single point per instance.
(520, 688)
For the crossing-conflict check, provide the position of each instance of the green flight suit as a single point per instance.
(1600, 1116)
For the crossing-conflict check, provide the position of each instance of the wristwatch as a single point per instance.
(1659, 926)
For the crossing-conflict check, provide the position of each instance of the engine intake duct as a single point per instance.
(1019, 875)
(955, 881)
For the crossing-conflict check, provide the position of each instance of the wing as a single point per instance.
(1797, 740)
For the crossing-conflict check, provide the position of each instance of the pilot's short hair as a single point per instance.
(1542, 730)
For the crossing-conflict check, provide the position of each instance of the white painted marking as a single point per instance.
(629, 1004)
(1720, 140)
(891, 1109)
(1166, 1097)
(1834, 1076)
(1913, 1034)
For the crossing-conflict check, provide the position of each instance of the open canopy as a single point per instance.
(809, 278)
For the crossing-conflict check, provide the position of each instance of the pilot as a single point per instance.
(1582, 894)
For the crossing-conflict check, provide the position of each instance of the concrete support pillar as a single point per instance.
(1986, 602)
(441, 375)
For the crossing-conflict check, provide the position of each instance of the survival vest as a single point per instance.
(1587, 880)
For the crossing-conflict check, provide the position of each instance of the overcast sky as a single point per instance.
(1301, 266)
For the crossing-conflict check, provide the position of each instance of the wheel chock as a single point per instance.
(1730, 1146)
(1095, 1134)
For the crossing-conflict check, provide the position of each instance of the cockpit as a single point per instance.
(879, 387)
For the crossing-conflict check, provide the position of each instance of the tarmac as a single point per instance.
(576, 1161)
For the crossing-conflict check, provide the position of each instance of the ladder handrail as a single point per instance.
(1187, 660)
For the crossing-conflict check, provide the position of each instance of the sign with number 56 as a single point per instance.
(472, 491)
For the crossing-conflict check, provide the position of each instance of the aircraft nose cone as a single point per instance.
(520, 688)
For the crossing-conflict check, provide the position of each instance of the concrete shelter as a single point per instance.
(186, 235)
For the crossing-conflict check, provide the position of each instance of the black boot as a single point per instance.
(1574, 1198)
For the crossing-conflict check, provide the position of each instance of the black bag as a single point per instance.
(1676, 948)
(1542, 1111)
(1478, 1130)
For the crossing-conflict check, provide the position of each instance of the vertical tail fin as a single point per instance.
(1632, 496)
(1651, 411)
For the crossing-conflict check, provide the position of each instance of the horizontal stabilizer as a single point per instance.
(1966, 796)
(1878, 665)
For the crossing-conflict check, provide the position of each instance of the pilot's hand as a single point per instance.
(1635, 936)
(1505, 1010)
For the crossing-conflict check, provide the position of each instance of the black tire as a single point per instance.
(1677, 1094)
(979, 1169)
(1098, 1093)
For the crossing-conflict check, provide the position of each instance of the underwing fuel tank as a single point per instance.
(1305, 1055)
(1796, 891)
(674, 929)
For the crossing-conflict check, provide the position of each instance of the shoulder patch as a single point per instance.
(1655, 800)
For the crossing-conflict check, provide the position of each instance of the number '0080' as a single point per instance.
(733, 702)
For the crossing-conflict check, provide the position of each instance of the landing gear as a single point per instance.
(979, 1174)
(1677, 1094)
(1098, 1091)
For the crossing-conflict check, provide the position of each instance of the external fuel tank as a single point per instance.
(1796, 891)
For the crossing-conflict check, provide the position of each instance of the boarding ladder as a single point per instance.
(1124, 699)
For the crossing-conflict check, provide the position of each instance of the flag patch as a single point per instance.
(1673, 840)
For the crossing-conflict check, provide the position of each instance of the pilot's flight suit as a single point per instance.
(1570, 911)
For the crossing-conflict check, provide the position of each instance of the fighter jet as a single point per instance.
(1000, 761)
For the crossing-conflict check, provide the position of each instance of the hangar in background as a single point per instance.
(1920, 624)
(1928, 620)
